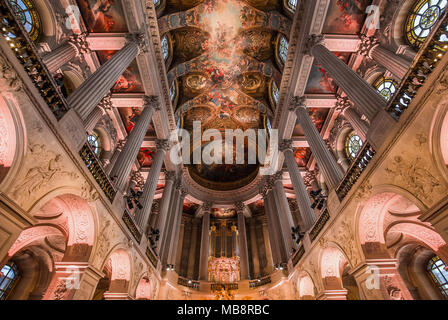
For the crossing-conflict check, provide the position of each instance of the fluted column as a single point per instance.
(205, 241)
(168, 231)
(95, 116)
(149, 190)
(302, 198)
(344, 106)
(327, 164)
(164, 212)
(87, 96)
(174, 244)
(127, 157)
(113, 160)
(363, 95)
(242, 241)
(284, 213)
(396, 64)
(58, 57)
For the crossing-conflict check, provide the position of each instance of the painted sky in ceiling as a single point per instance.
(103, 16)
(345, 16)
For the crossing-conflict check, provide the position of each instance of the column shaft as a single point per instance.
(242, 243)
(123, 166)
(150, 189)
(327, 164)
(365, 97)
(60, 56)
(396, 64)
(205, 246)
(285, 216)
(275, 231)
(302, 198)
(87, 96)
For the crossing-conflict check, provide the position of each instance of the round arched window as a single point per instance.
(8, 279)
(28, 16)
(95, 143)
(438, 271)
(275, 92)
(386, 87)
(165, 47)
(353, 145)
(283, 49)
(292, 4)
(422, 19)
(157, 3)
(173, 92)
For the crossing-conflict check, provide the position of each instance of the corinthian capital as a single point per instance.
(138, 38)
(366, 45)
(297, 102)
(80, 42)
(207, 207)
(312, 41)
(342, 104)
(239, 206)
(285, 145)
(151, 102)
(163, 145)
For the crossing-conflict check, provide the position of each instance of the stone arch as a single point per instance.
(341, 139)
(12, 138)
(397, 34)
(146, 288)
(306, 288)
(438, 136)
(50, 31)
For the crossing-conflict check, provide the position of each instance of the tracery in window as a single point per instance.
(439, 274)
(95, 143)
(283, 49)
(28, 16)
(386, 87)
(9, 276)
(353, 145)
(422, 19)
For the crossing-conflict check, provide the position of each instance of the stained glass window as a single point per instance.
(422, 19)
(173, 91)
(353, 145)
(95, 143)
(156, 3)
(283, 49)
(8, 278)
(292, 4)
(165, 48)
(439, 274)
(28, 16)
(275, 92)
(386, 87)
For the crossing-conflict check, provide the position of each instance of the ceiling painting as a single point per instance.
(130, 81)
(129, 116)
(320, 81)
(103, 16)
(190, 208)
(145, 157)
(257, 207)
(302, 156)
(345, 16)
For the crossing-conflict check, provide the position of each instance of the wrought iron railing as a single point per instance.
(358, 166)
(152, 257)
(298, 254)
(133, 228)
(27, 54)
(260, 282)
(97, 171)
(188, 283)
(319, 225)
(429, 55)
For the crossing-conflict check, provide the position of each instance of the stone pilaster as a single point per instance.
(205, 241)
(242, 241)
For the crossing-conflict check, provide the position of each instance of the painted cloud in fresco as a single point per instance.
(345, 16)
(103, 15)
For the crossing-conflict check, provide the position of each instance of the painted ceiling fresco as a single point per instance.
(345, 16)
(223, 61)
(320, 81)
(145, 157)
(257, 207)
(130, 81)
(130, 116)
(103, 16)
(190, 208)
(302, 156)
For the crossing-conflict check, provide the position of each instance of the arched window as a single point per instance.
(275, 92)
(292, 4)
(156, 3)
(439, 274)
(353, 145)
(283, 49)
(386, 87)
(165, 48)
(8, 279)
(95, 143)
(422, 19)
(28, 16)
(173, 92)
